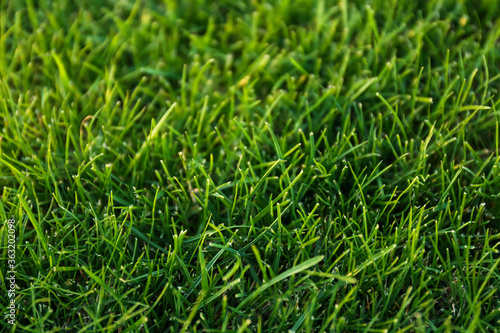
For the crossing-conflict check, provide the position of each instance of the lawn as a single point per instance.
(249, 166)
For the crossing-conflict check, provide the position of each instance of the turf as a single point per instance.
(260, 166)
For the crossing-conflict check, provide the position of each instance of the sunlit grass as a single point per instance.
(262, 166)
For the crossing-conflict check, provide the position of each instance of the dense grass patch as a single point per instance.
(206, 166)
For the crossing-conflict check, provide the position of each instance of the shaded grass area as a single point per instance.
(251, 166)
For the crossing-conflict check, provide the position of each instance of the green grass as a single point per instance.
(260, 166)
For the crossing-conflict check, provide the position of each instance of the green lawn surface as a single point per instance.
(250, 166)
